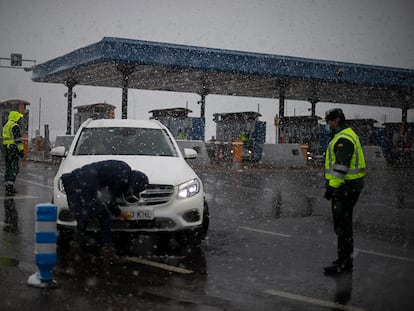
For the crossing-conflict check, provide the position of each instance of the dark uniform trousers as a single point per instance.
(11, 157)
(85, 207)
(342, 210)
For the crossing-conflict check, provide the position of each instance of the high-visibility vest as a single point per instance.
(243, 136)
(357, 166)
(8, 137)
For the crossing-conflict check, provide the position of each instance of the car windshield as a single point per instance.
(124, 141)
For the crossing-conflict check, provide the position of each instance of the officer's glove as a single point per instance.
(21, 154)
(335, 193)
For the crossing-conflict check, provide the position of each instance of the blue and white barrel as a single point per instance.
(45, 239)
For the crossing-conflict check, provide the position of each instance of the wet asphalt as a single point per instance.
(270, 236)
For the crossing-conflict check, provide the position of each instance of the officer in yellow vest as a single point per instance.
(344, 174)
(180, 134)
(243, 136)
(12, 149)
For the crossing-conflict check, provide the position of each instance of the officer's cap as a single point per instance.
(334, 114)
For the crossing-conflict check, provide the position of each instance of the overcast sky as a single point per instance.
(374, 32)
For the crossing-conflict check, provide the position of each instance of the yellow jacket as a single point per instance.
(9, 136)
(336, 173)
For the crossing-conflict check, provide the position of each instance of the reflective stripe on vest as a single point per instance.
(357, 165)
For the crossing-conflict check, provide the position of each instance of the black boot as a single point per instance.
(75, 252)
(109, 255)
(10, 190)
(339, 266)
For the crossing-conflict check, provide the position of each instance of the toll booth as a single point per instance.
(366, 129)
(94, 111)
(20, 106)
(181, 126)
(239, 137)
(305, 131)
(399, 143)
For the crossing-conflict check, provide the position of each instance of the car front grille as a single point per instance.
(157, 194)
(153, 195)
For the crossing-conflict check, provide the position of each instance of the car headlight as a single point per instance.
(60, 186)
(188, 189)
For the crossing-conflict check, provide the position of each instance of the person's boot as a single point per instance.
(10, 190)
(109, 255)
(338, 266)
(75, 250)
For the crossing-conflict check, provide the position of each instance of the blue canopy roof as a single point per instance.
(181, 68)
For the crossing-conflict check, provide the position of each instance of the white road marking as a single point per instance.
(314, 301)
(159, 265)
(356, 249)
(18, 197)
(266, 232)
(35, 183)
(384, 255)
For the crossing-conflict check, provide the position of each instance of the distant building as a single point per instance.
(365, 129)
(399, 142)
(180, 124)
(240, 127)
(303, 130)
(94, 111)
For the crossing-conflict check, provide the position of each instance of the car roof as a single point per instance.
(123, 123)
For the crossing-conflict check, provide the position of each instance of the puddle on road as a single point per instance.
(293, 206)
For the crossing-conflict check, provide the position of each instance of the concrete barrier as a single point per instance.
(287, 155)
(199, 146)
(374, 156)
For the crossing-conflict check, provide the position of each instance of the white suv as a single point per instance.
(174, 200)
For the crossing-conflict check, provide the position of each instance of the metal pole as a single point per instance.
(313, 106)
(40, 110)
(70, 86)
(125, 70)
(202, 105)
(404, 114)
(281, 102)
(281, 111)
(124, 94)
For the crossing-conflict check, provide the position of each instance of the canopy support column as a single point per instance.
(124, 103)
(202, 103)
(125, 70)
(281, 102)
(70, 84)
(313, 102)
(280, 134)
(404, 113)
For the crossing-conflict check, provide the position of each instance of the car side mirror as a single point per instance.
(58, 151)
(190, 153)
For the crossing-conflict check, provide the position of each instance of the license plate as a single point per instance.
(141, 214)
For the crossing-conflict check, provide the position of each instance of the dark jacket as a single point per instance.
(97, 185)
